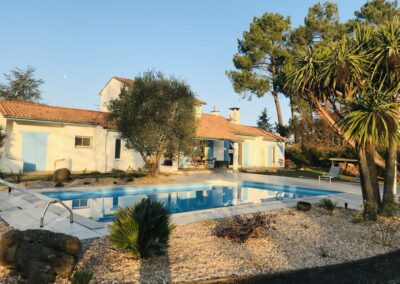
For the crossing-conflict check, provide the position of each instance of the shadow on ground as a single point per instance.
(379, 269)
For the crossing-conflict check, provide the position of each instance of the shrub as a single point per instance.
(328, 204)
(59, 184)
(391, 209)
(240, 228)
(370, 210)
(358, 217)
(82, 277)
(386, 230)
(142, 229)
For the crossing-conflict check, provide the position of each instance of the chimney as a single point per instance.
(215, 111)
(234, 115)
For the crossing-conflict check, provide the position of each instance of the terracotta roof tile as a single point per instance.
(210, 126)
(36, 111)
(218, 127)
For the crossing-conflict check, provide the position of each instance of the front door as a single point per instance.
(34, 151)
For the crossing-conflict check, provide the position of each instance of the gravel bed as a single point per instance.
(299, 240)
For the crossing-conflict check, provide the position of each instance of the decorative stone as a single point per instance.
(303, 206)
(38, 255)
(62, 175)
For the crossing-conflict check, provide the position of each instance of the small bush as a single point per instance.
(358, 217)
(391, 209)
(59, 184)
(240, 228)
(142, 229)
(328, 204)
(370, 210)
(386, 230)
(82, 277)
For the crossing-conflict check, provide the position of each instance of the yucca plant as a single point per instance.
(328, 204)
(82, 277)
(142, 229)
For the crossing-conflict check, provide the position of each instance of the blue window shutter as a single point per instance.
(226, 151)
(210, 149)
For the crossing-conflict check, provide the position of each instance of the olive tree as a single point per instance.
(156, 116)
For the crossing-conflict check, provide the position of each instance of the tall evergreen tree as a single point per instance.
(262, 53)
(264, 120)
(377, 11)
(21, 85)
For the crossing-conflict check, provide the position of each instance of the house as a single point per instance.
(44, 138)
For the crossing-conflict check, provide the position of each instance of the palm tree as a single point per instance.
(371, 119)
(386, 75)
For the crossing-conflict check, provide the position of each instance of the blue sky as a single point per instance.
(77, 46)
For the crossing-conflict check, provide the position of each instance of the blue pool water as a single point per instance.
(100, 204)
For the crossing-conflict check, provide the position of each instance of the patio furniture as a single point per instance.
(334, 172)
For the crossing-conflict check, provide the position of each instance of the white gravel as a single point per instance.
(300, 239)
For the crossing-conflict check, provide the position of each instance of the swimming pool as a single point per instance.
(100, 204)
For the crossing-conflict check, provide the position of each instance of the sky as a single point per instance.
(77, 46)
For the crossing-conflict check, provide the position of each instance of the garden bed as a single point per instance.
(298, 240)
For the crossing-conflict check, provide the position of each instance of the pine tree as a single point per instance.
(264, 120)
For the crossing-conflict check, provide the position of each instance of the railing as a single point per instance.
(71, 214)
(52, 201)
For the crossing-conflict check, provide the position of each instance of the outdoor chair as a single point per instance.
(334, 172)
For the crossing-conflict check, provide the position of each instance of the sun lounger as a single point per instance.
(334, 172)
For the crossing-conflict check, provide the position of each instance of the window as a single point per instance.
(80, 203)
(81, 141)
(117, 149)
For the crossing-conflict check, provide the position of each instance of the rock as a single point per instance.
(62, 175)
(303, 206)
(38, 255)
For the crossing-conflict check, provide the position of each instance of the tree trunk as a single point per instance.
(327, 117)
(390, 173)
(278, 107)
(370, 153)
(365, 178)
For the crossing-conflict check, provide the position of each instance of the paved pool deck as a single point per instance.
(22, 210)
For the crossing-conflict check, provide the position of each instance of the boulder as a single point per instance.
(303, 206)
(62, 175)
(38, 255)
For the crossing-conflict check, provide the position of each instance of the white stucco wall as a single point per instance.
(61, 145)
(258, 153)
(110, 92)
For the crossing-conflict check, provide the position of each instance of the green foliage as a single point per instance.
(264, 120)
(358, 217)
(377, 11)
(371, 117)
(59, 184)
(82, 277)
(21, 85)
(391, 209)
(261, 56)
(370, 210)
(156, 115)
(314, 155)
(328, 204)
(142, 229)
(283, 130)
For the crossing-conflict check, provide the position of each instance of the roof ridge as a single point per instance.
(52, 106)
